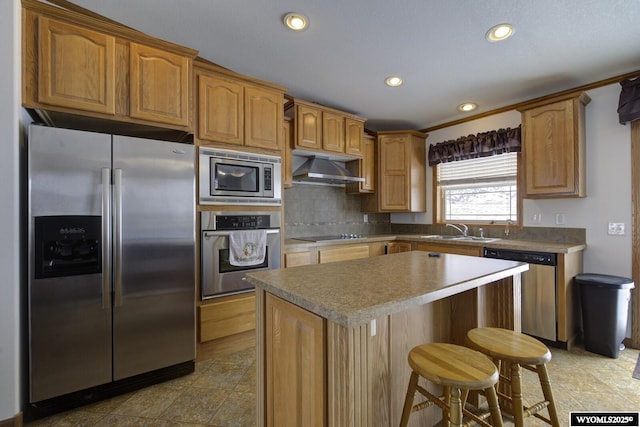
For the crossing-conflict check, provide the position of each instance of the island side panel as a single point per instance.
(295, 368)
(260, 358)
(417, 325)
(500, 304)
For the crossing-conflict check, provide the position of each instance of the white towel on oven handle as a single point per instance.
(247, 247)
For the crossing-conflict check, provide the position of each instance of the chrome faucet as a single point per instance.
(463, 232)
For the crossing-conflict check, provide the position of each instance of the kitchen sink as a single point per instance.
(456, 237)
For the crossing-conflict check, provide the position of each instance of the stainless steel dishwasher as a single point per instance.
(539, 302)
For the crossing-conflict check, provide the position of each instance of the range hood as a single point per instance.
(321, 169)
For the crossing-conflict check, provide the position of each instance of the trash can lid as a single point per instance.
(604, 280)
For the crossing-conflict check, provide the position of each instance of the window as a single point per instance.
(482, 190)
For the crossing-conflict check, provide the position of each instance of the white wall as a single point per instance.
(9, 209)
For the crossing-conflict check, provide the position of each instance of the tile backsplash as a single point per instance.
(311, 210)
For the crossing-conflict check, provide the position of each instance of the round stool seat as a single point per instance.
(509, 345)
(452, 365)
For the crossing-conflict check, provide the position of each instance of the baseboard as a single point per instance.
(13, 422)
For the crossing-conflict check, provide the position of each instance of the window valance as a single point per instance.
(629, 102)
(474, 146)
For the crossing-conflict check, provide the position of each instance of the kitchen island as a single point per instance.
(332, 339)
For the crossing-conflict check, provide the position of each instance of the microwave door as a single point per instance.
(235, 178)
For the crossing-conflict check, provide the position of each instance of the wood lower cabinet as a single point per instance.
(342, 253)
(225, 316)
(553, 146)
(397, 247)
(160, 85)
(293, 259)
(449, 249)
(295, 362)
(234, 110)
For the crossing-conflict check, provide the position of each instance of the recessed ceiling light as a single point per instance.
(393, 81)
(467, 106)
(499, 32)
(295, 21)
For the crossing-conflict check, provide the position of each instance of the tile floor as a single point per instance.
(221, 393)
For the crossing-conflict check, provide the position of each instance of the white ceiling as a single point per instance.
(437, 46)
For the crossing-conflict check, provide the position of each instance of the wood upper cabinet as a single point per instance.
(287, 166)
(76, 67)
(354, 136)
(332, 132)
(263, 114)
(364, 168)
(553, 146)
(295, 344)
(308, 127)
(233, 111)
(220, 109)
(159, 85)
(322, 129)
(401, 171)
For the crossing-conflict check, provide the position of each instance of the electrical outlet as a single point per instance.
(535, 218)
(616, 229)
(560, 219)
(365, 218)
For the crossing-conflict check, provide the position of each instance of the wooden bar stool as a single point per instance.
(520, 351)
(454, 368)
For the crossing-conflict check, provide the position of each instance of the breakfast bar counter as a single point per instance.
(332, 339)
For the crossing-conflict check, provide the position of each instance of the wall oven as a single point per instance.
(218, 277)
(238, 178)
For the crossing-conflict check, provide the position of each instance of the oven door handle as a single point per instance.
(226, 233)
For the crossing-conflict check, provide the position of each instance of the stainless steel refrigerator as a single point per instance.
(111, 287)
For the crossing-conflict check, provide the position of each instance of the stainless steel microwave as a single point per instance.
(236, 178)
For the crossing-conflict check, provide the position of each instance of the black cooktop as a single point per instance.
(329, 237)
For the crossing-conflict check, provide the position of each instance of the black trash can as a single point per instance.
(605, 307)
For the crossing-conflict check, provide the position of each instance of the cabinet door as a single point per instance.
(220, 110)
(394, 173)
(368, 171)
(295, 365)
(549, 149)
(332, 132)
(76, 67)
(342, 253)
(287, 171)
(263, 117)
(293, 259)
(450, 249)
(159, 85)
(308, 127)
(354, 135)
(397, 247)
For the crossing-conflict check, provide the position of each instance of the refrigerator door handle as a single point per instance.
(106, 238)
(118, 236)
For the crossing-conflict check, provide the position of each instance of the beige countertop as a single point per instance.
(531, 245)
(354, 292)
